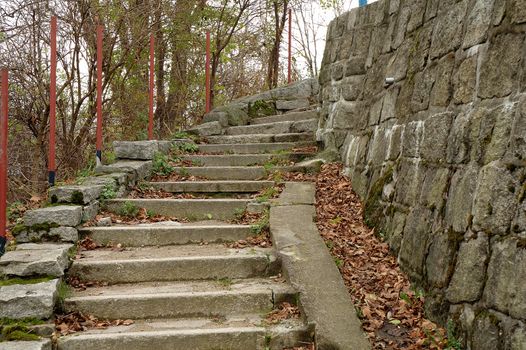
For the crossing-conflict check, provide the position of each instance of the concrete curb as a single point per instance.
(310, 268)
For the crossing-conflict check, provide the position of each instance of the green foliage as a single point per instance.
(128, 209)
(184, 147)
(261, 108)
(267, 194)
(63, 292)
(179, 135)
(261, 225)
(453, 343)
(338, 261)
(18, 329)
(15, 210)
(14, 281)
(161, 165)
(108, 192)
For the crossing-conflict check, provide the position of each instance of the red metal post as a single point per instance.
(100, 30)
(152, 69)
(52, 101)
(3, 160)
(289, 73)
(208, 104)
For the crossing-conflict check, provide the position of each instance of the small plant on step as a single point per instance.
(128, 209)
(262, 225)
(184, 147)
(161, 165)
(267, 194)
(108, 192)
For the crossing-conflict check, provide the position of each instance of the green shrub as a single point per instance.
(161, 165)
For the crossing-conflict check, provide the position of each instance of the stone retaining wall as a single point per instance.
(439, 155)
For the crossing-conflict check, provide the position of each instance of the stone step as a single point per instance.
(162, 235)
(172, 263)
(282, 127)
(243, 332)
(253, 147)
(260, 138)
(242, 159)
(236, 172)
(237, 186)
(192, 209)
(291, 116)
(180, 299)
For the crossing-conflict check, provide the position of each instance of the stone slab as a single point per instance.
(44, 344)
(28, 300)
(31, 259)
(311, 269)
(296, 193)
(76, 194)
(140, 150)
(62, 215)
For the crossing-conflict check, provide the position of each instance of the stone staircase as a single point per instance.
(182, 287)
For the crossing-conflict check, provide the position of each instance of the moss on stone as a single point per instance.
(33, 280)
(19, 228)
(77, 197)
(261, 108)
(373, 209)
(18, 329)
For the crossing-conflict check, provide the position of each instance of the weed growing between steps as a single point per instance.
(259, 225)
(284, 311)
(392, 313)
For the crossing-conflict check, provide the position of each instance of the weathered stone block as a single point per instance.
(207, 129)
(478, 21)
(32, 259)
(90, 211)
(485, 332)
(337, 71)
(465, 80)
(409, 182)
(461, 193)
(62, 215)
(355, 66)
(293, 104)
(470, 270)
(504, 289)
(413, 136)
(389, 104)
(136, 170)
(415, 242)
(395, 142)
(500, 66)
(75, 194)
(417, 8)
(447, 35)
(351, 87)
(44, 344)
(495, 200)
(500, 135)
(458, 145)
(54, 234)
(517, 11)
(423, 84)
(439, 262)
(140, 150)
(436, 132)
(28, 300)
(349, 115)
(361, 41)
(434, 188)
(440, 94)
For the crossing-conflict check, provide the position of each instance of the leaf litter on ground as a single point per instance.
(392, 313)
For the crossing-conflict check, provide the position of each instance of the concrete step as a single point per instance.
(242, 159)
(162, 235)
(282, 127)
(192, 209)
(172, 263)
(236, 172)
(234, 186)
(240, 332)
(253, 147)
(260, 138)
(291, 116)
(180, 299)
